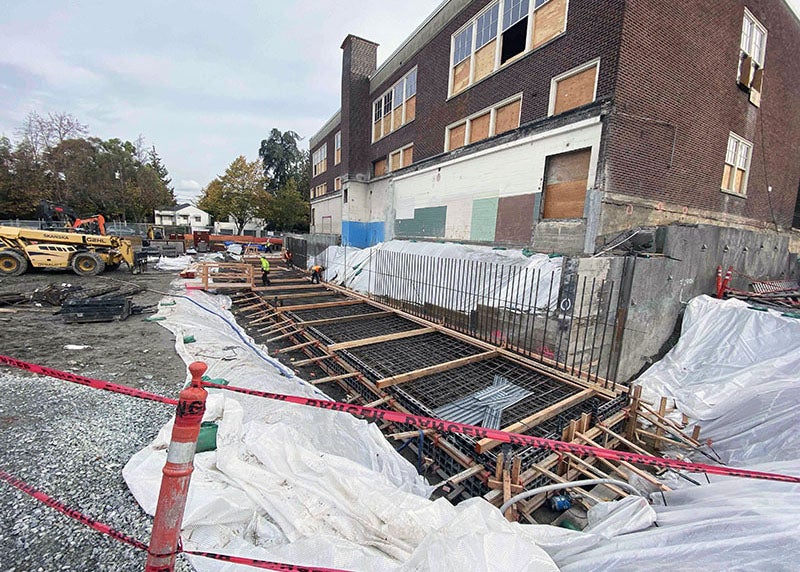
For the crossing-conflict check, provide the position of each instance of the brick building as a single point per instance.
(560, 123)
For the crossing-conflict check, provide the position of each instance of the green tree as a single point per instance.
(154, 161)
(287, 210)
(281, 159)
(239, 194)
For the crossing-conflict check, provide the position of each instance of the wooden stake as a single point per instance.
(336, 377)
(297, 347)
(312, 360)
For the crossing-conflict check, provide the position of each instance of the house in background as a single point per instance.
(183, 215)
(560, 124)
(253, 228)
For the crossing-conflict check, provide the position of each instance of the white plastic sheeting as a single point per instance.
(736, 371)
(457, 287)
(309, 486)
(175, 264)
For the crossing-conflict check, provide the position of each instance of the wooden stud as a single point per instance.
(378, 339)
(426, 371)
(644, 474)
(319, 305)
(297, 347)
(312, 360)
(289, 287)
(402, 436)
(335, 377)
(380, 401)
(283, 336)
(321, 322)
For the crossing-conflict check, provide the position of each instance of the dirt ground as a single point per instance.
(132, 348)
(70, 441)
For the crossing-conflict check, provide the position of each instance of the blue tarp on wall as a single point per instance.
(362, 234)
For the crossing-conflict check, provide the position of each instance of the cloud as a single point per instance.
(37, 59)
(189, 185)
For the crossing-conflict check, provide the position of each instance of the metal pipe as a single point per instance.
(560, 486)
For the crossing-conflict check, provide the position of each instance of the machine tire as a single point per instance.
(87, 264)
(12, 263)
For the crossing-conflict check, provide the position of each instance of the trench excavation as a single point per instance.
(374, 355)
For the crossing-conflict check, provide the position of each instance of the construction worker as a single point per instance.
(264, 270)
(316, 273)
(287, 256)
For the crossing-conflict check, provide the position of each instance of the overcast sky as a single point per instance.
(202, 81)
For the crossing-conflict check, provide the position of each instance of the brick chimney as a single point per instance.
(359, 61)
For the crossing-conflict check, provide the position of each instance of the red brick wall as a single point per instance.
(593, 28)
(677, 67)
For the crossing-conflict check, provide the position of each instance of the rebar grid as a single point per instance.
(365, 328)
(408, 354)
(332, 312)
(445, 387)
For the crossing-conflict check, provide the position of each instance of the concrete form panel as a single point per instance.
(484, 219)
(515, 219)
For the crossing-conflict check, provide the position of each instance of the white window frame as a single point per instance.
(748, 49)
(337, 182)
(739, 141)
(533, 6)
(319, 158)
(402, 151)
(337, 146)
(492, 109)
(401, 84)
(551, 106)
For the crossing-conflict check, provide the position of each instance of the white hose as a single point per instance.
(558, 486)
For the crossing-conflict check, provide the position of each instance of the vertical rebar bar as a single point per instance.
(572, 324)
(533, 309)
(562, 313)
(594, 334)
(547, 312)
(586, 325)
(605, 327)
(603, 340)
(482, 297)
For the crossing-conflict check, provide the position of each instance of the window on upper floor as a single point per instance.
(320, 160)
(396, 107)
(337, 184)
(574, 88)
(737, 165)
(402, 157)
(500, 33)
(379, 167)
(501, 117)
(337, 148)
(319, 190)
(752, 52)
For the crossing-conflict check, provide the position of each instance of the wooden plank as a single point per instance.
(251, 306)
(464, 475)
(425, 371)
(380, 401)
(263, 318)
(379, 339)
(284, 336)
(305, 286)
(644, 474)
(319, 305)
(297, 347)
(403, 435)
(336, 377)
(344, 319)
(507, 495)
(533, 420)
(319, 294)
(275, 328)
(312, 360)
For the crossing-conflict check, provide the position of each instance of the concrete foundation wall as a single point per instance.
(662, 286)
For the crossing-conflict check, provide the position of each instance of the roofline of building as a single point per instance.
(432, 25)
(325, 130)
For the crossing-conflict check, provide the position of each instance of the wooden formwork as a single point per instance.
(502, 477)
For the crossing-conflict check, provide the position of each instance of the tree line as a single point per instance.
(274, 188)
(54, 158)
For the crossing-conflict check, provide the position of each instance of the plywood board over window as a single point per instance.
(394, 161)
(575, 90)
(461, 76)
(549, 21)
(411, 108)
(507, 117)
(484, 60)
(408, 156)
(479, 127)
(457, 136)
(379, 167)
(565, 181)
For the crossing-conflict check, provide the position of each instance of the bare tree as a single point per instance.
(40, 134)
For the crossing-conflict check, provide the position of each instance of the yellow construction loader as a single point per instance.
(86, 254)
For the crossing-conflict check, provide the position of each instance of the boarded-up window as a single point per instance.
(337, 184)
(549, 21)
(461, 76)
(737, 165)
(408, 156)
(565, 181)
(337, 146)
(411, 108)
(484, 60)
(479, 127)
(574, 90)
(379, 167)
(394, 161)
(507, 117)
(376, 130)
(456, 136)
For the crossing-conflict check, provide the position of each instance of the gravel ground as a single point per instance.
(71, 442)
